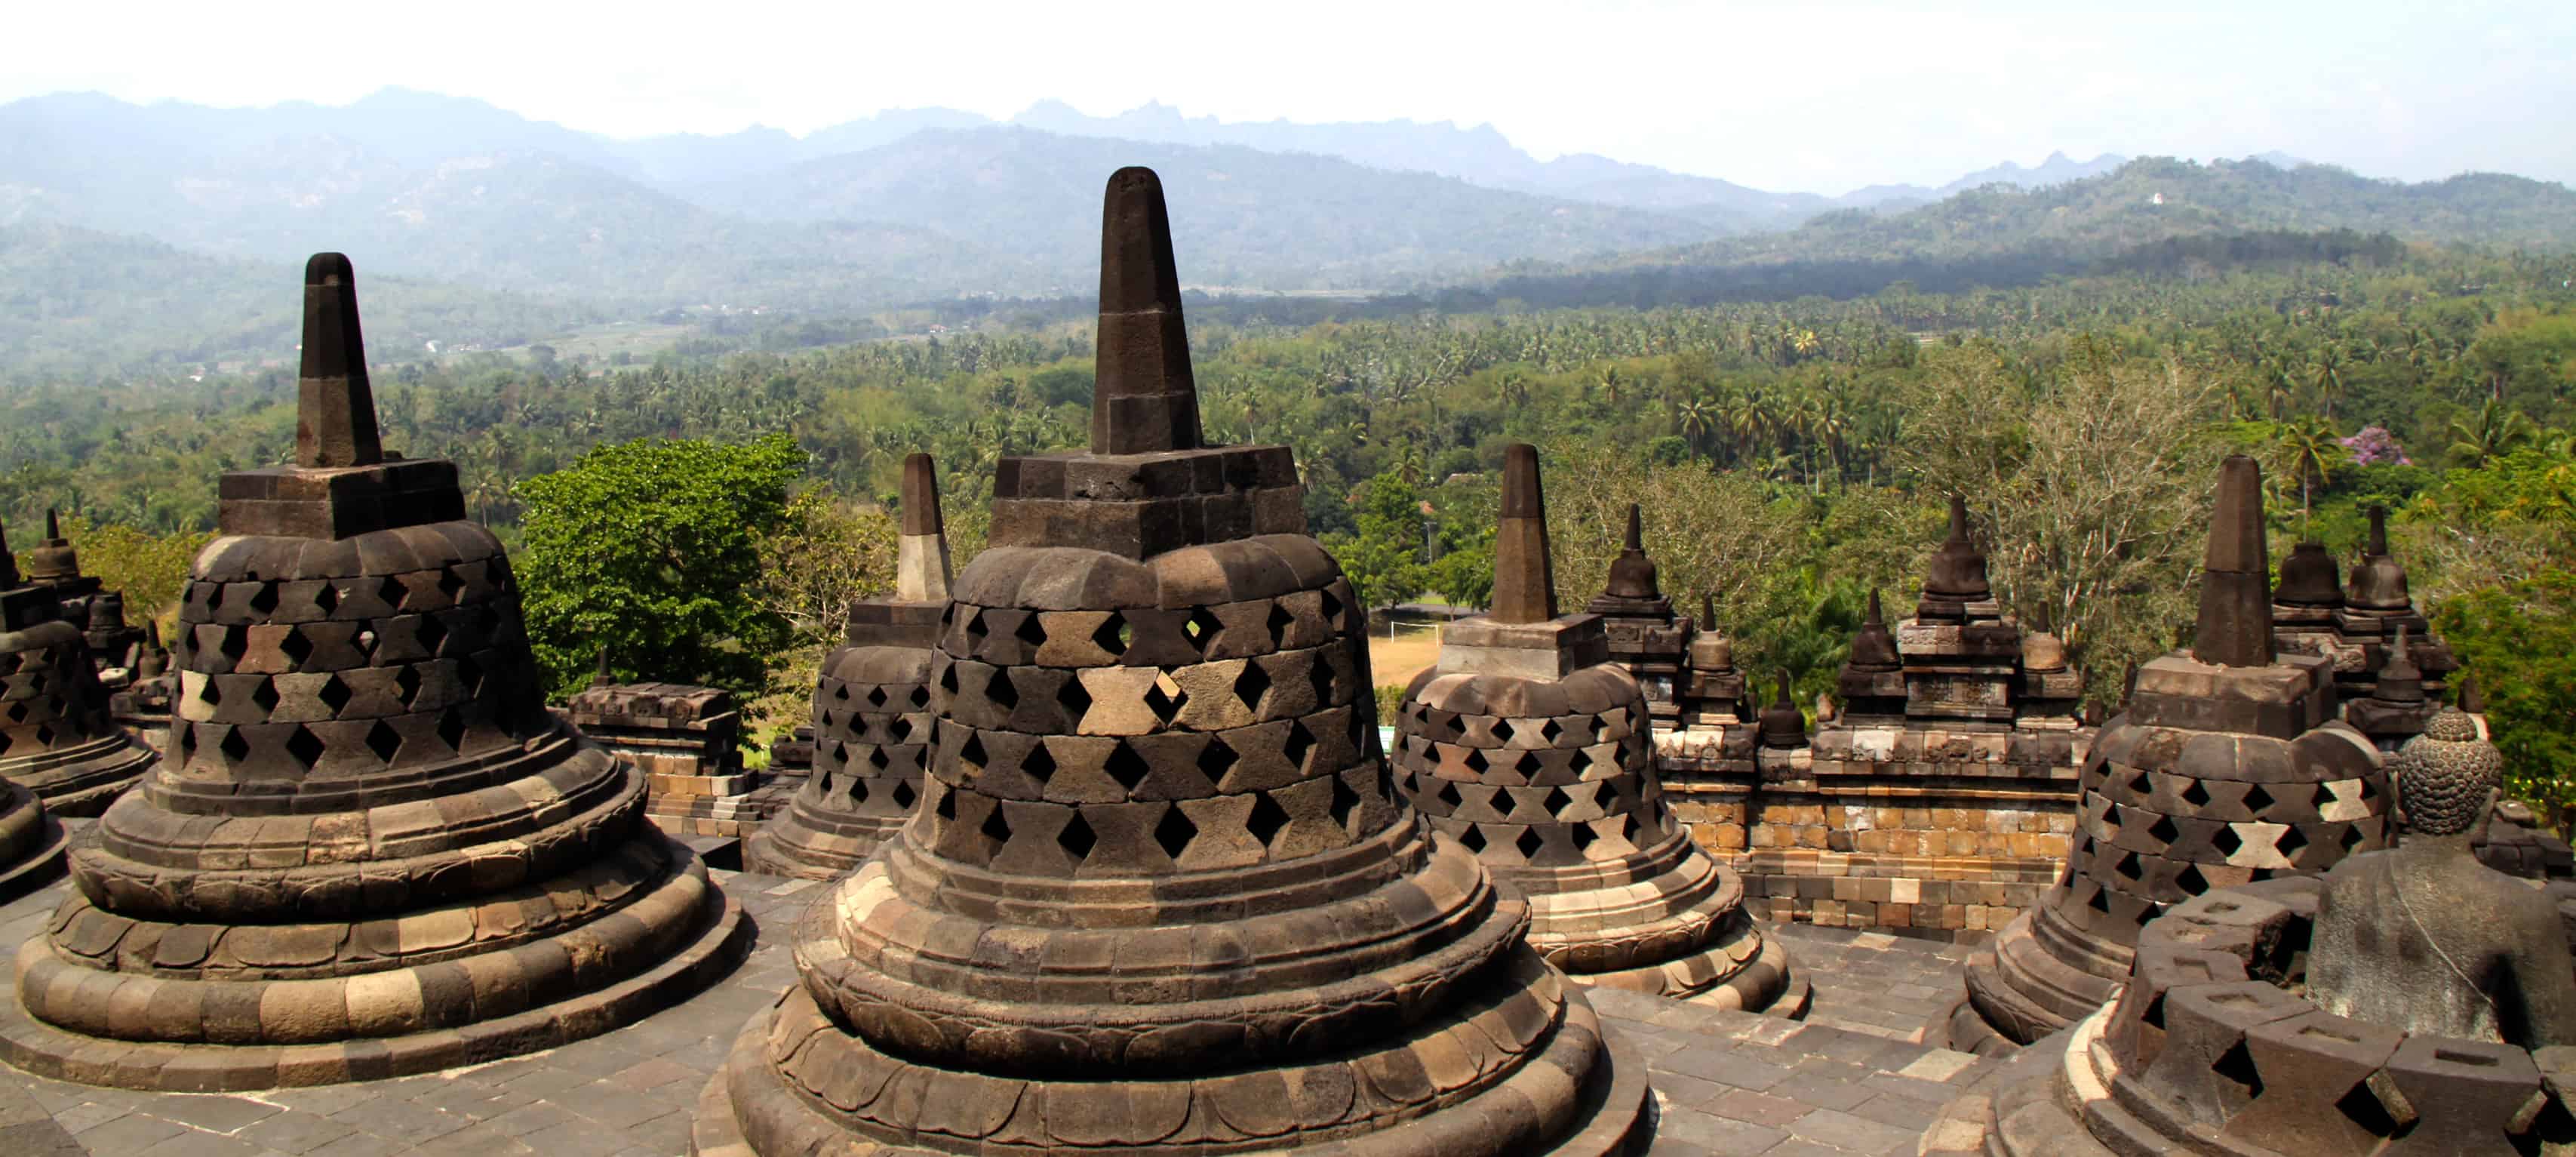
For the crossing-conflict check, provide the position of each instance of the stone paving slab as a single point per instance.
(1851, 1079)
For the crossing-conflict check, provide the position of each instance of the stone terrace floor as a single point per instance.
(1854, 1078)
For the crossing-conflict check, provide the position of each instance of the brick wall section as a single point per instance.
(1920, 832)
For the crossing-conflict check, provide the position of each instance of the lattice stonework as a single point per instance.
(872, 742)
(56, 736)
(1151, 741)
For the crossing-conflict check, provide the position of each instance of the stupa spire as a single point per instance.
(2235, 628)
(1958, 568)
(335, 408)
(1144, 398)
(921, 554)
(53, 524)
(1524, 572)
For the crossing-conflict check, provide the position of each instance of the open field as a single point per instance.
(1396, 661)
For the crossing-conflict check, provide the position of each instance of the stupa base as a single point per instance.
(41, 864)
(720, 939)
(100, 771)
(791, 845)
(1581, 1095)
(1751, 974)
(2038, 976)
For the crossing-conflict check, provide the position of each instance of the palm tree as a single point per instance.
(2492, 432)
(2314, 453)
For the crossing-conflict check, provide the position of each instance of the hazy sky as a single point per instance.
(1782, 95)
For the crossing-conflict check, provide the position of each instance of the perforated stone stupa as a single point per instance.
(1528, 746)
(2228, 767)
(872, 717)
(1161, 896)
(369, 849)
(56, 737)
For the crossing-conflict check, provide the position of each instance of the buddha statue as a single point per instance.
(2423, 937)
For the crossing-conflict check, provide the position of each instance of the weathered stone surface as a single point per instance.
(368, 848)
(1161, 894)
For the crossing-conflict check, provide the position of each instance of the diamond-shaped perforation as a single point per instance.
(876, 695)
(1216, 759)
(450, 583)
(971, 753)
(1201, 628)
(391, 592)
(264, 600)
(2197, 795)
(946, 808)
(1000, 691)
(1165, 698)
(1039, 764)
(1583, 835)
(996, 829)
(470, 674)
(1527, 764)
(1075, 701)
(1475, 760)
(328, 598)
(384, 741)
(2128, 867)
(234, 747)
(1126, 766)
(1557, 802)
(431, 634)
(1266, 819)
(948, 678)
(1332, 608)
(1076, 838)
(2163, 830)
(1251, 685)
(1447, 795)
(1473, 838)
(2290, 842)
(406, 683)
(1112, 635)
(1345, 802)
(1278, 623)
(235, 643)
(304, 747)
(904, 795)
(1550, 731)
(976, 631)
(1300, 741)
(451, 728)
(2191, 881)
(336, 694)
(265, 694)
(1031, 631)
(2257, 799)
(1503, 731)
(1174, 832)
(877, 758)
(1319, 675)
(1529, 843)
(2226, 840)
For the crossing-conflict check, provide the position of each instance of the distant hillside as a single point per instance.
(1240, 217)
(74, 303)
(2151, 199)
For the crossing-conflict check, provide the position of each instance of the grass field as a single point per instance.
(1396, 661)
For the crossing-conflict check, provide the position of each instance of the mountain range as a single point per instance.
(467, 199)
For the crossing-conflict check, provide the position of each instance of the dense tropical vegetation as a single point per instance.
(1790, 455)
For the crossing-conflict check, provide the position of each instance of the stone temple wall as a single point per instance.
(1939, 836)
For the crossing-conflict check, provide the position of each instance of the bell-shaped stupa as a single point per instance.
(872, 717)
(2228, 767)
(1161, 895)
(368, 849)
(1526, 744)
(56, 736)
